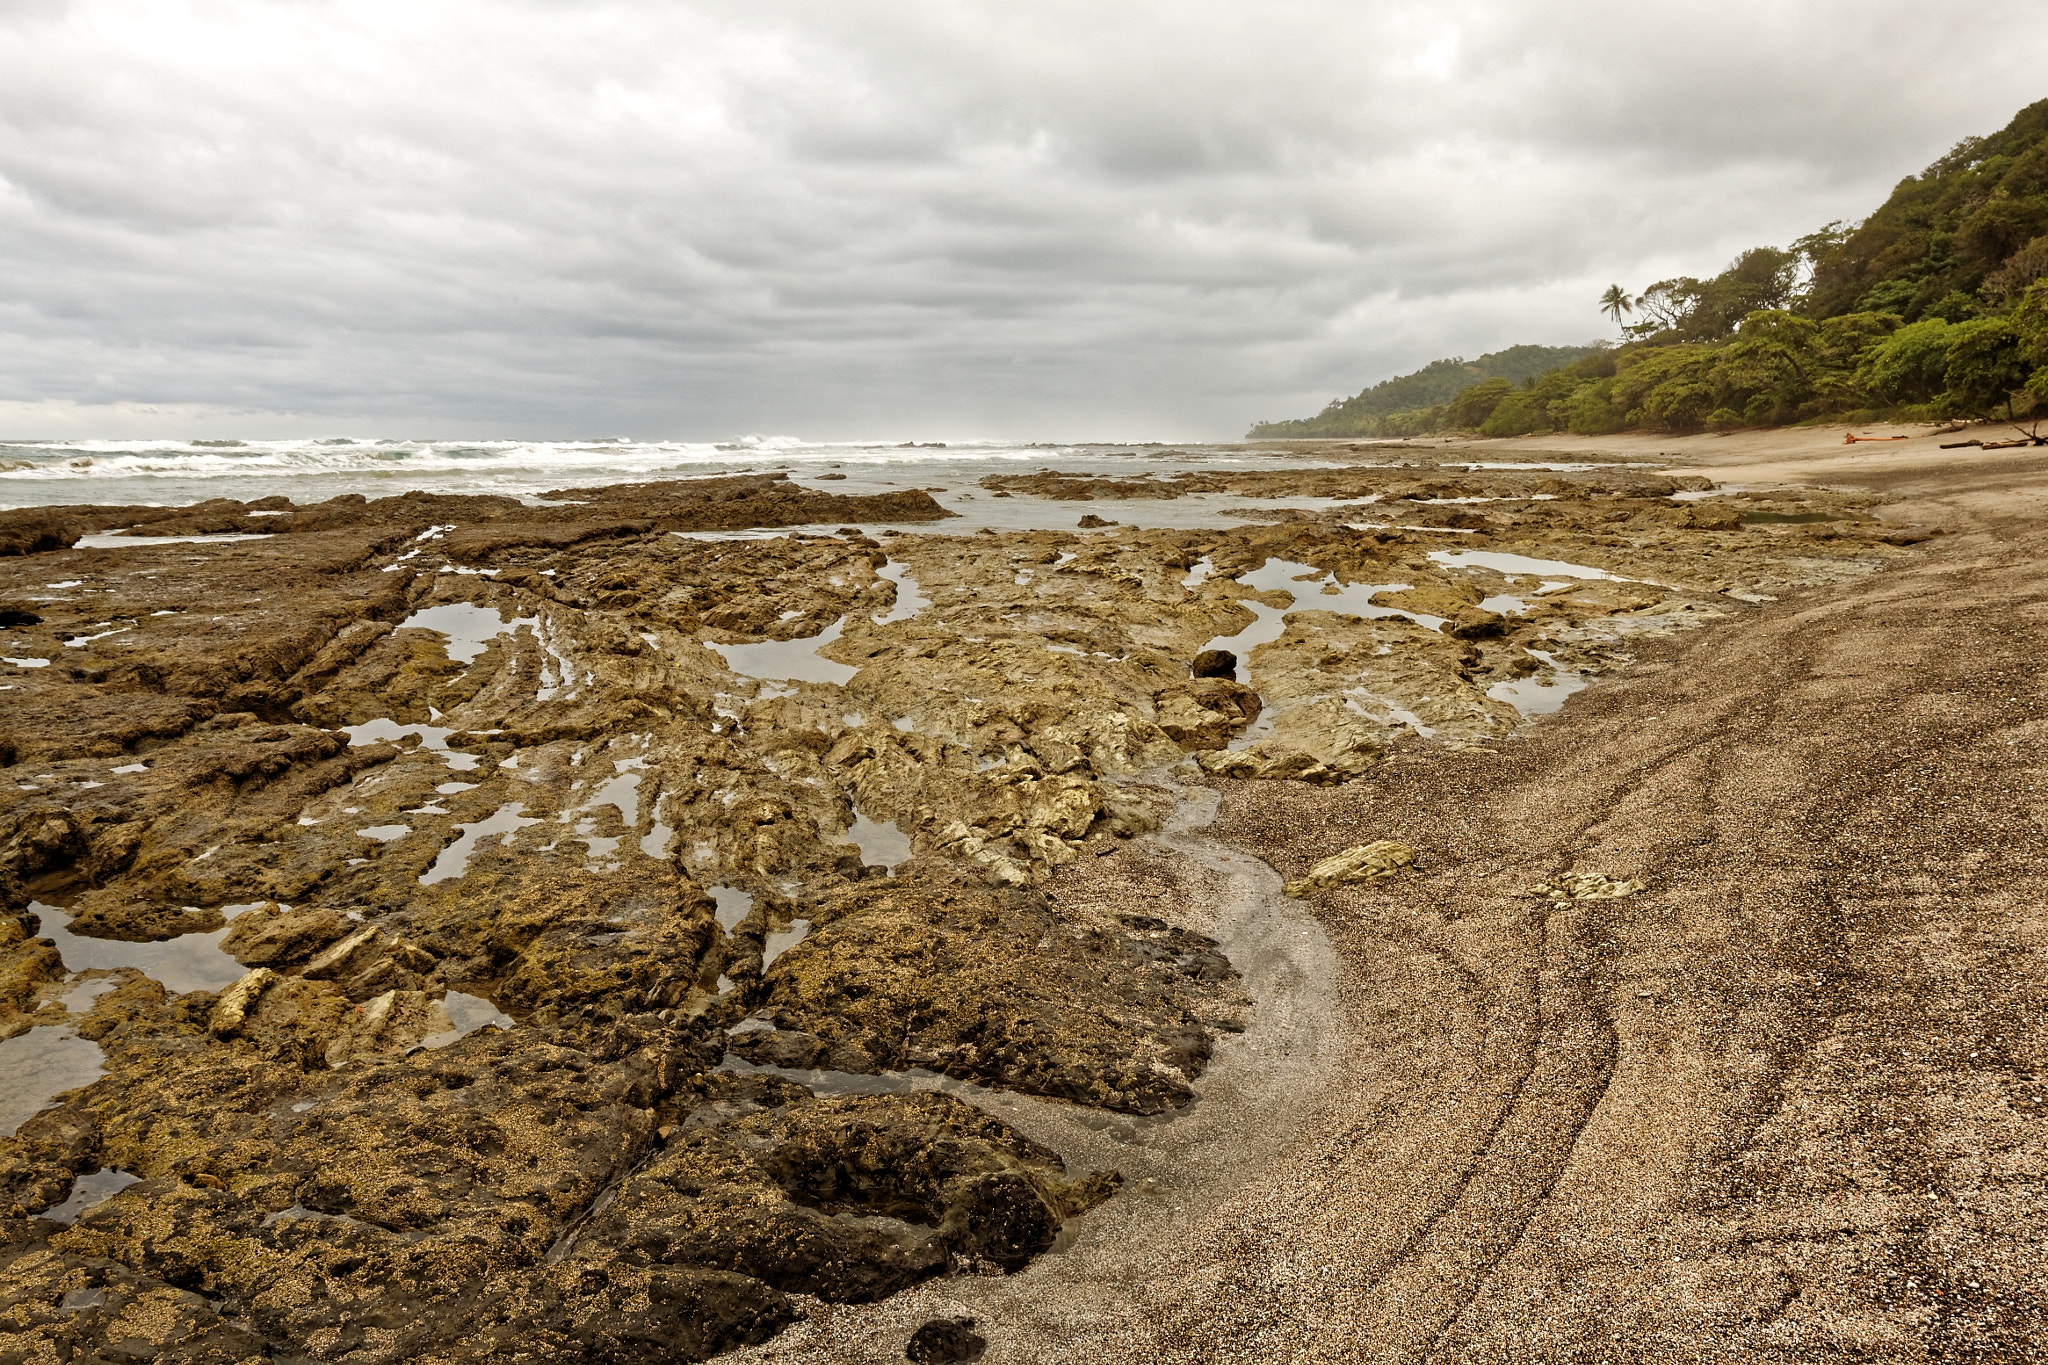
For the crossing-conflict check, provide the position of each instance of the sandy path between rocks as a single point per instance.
(1786, 1105)
(1254, 1099)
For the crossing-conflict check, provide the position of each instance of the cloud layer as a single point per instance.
(690, 218)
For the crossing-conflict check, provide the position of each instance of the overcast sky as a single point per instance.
(861, 218)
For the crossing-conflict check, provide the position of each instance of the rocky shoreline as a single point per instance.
(446, 925)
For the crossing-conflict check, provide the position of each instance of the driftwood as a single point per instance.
(2028, 436)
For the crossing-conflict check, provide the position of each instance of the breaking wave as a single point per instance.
(67, 460)
(175, 472)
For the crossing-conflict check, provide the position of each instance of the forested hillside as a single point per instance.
(1436, 383)
(1934, 307)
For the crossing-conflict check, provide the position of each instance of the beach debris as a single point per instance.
(1365, 863)
(1586, 886)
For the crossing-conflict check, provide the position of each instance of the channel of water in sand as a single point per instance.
(1258, 1090)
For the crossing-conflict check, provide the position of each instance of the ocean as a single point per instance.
(180, 473)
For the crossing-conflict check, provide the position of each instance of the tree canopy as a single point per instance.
(1366, 413)
(1935, 306)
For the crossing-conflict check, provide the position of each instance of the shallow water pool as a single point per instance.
(910, 600)
(469, 628)
(790, 660)
(189, 962)
(1523, 564)
(38, 1065)
(1312, 590)
(881, 844)
(453, 860)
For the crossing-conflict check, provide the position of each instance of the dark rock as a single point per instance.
(1474, 624)
(781, 1047)
(593, 1315)
(268, 936)
(1090, 522)
(62, 1306)
(942, 1341)
(850, 1198)
(144, 923)
(35, 530)
(976, 984)
(1214, 663)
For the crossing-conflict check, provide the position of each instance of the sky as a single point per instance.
(879, 219)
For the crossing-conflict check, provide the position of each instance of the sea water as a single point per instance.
(179, 473)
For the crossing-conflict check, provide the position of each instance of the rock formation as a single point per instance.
(482, 893)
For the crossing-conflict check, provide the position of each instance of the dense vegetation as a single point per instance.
(1432, 386)
(1936, 306)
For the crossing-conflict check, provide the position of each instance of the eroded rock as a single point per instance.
(848, 1199)
(990, 986)
(462, 755)
(1364, 863)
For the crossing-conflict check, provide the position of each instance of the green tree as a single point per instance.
(2030, 321)
(1591, 411)
(1990, 236)
(1816, 247)
(1838, 350)
(2006, 284)
(1938, 299)
(1667, 386)
(1986, 367)
(1764, 375)
(1518, 414)
(1666, 307)
(1400, 406)
(1943, 230)
(1470, 409)
(1685, 309)
(1909, 366)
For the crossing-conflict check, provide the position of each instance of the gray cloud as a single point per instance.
(893, 219)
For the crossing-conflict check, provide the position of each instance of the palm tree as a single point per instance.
(1615, 302)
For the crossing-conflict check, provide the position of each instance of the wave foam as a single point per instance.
(96, 460)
